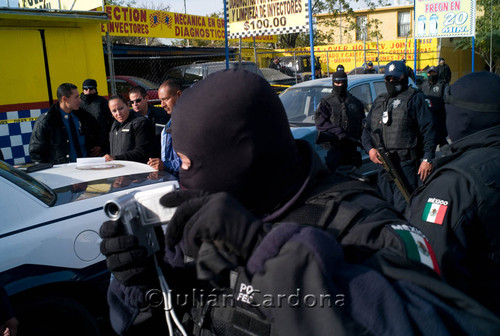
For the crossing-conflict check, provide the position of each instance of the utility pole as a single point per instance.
(491, 35)
(185, 12)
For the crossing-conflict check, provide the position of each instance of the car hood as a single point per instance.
(68, 174)
(72, 183)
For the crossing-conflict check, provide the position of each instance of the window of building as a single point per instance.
(404, 24)
(360, 27)
(403, 2)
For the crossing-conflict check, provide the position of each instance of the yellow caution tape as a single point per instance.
(13, 121)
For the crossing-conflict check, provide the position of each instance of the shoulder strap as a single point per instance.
(326, 210)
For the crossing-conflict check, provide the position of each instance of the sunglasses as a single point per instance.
(137, 101)
(88, 88)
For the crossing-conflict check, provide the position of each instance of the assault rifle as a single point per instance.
(392, 168)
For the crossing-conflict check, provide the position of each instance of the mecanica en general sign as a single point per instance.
(129, 21)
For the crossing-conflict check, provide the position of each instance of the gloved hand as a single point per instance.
(218, 220)
(128, 261)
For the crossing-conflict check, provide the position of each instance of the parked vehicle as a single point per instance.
(125, 83)
(192, 73)
(300, 102)
(361, 70)
(300, 66)
(50, 261)
(278, 80)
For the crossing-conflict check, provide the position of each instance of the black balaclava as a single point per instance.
(91, 97)
(396, 69)
(235, 131)
(339, 90)
(397, 86)
(472, 104)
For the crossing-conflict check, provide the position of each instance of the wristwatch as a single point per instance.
(426, 161)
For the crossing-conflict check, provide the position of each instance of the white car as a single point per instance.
(50, 262)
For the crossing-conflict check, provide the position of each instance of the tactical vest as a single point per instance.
(390, 115)
(351, 114)
(433, 90)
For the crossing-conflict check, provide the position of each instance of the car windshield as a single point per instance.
(27, 183)
(145, 83)
(300, 103)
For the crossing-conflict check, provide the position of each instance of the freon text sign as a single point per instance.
(444, 18)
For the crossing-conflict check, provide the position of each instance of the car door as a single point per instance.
(364, 93)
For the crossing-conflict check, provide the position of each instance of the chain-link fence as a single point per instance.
(149, 71)
(294, 66)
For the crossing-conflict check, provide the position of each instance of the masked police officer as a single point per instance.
(258, 181)
(401, 121)
(369, 69)
(458, 206)
(434, 89)
(339, 119)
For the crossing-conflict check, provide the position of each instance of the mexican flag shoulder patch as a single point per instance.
(417, 246)
(435, 210)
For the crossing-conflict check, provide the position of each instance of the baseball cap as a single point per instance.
(89, 83)
(395, 69)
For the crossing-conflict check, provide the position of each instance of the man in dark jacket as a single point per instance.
(458, 206)
(434, 89)
(369, 69)
(97, 106)
(339, 119)
(139, 101)
(131, 136)
(400, 120)
(443, 71)
(66, 131)
(257, 180)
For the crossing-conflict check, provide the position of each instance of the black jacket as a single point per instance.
(131, 140)
(457, 208)
(376, 292)
(97, 106)
(159, 118)
(444, 73)
(435, 96)
(158, 115)
(49, 140)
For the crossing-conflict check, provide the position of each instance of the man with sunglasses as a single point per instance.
(97, 106)
(338, 120)
(139, 102)
(400, 121)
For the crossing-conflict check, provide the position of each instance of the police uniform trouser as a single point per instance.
(389, 189)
